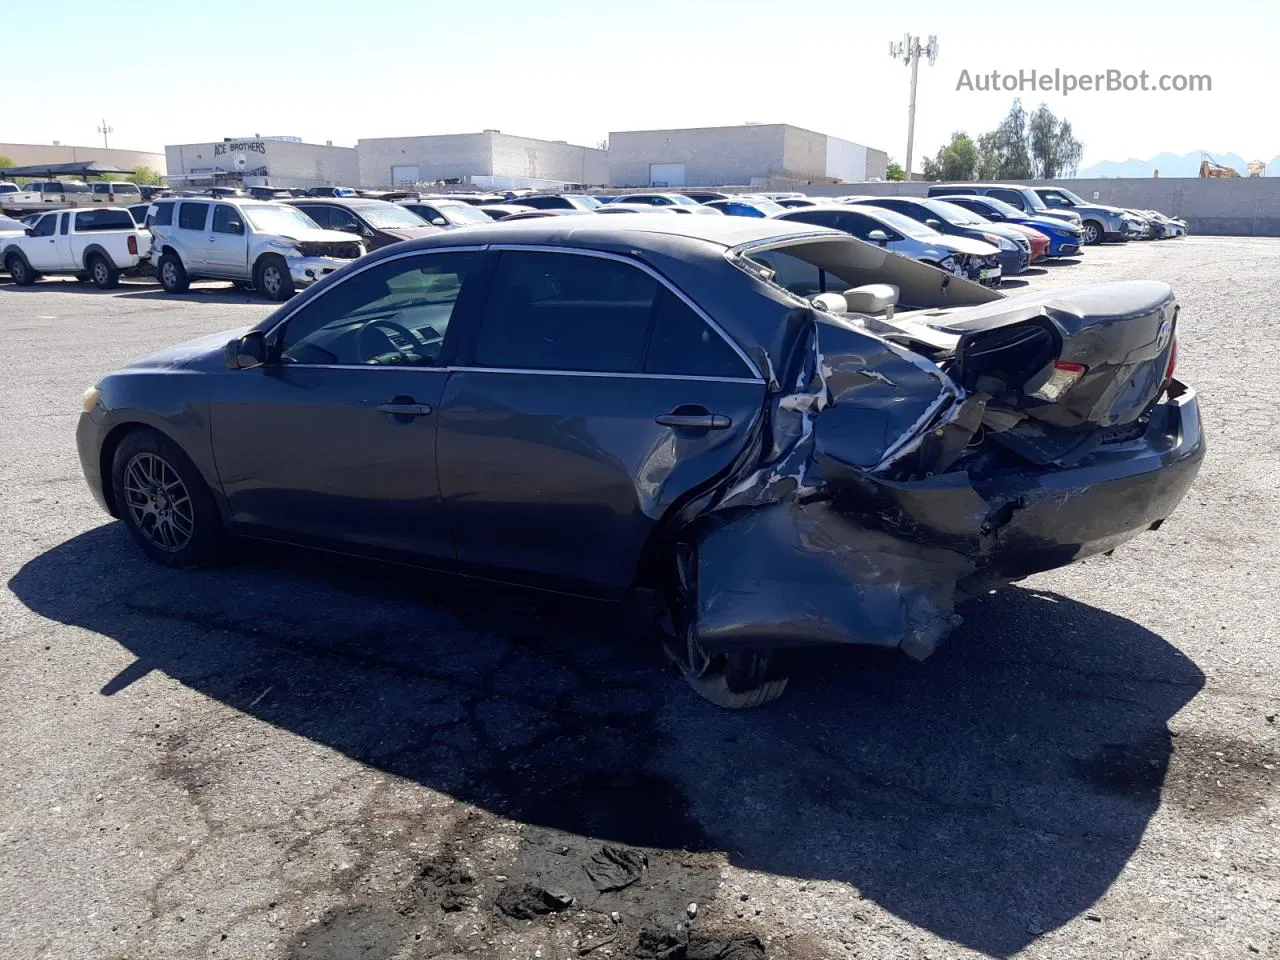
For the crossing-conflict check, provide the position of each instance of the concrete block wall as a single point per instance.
(30, 154)
(451, 155)
(548, 160)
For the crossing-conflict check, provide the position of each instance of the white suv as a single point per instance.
(274, 247)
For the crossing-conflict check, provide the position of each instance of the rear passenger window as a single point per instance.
(65, 224)
(684, 345)
(192, 216)
(559, 311)
(87, 220)
(1009, 196)
(162, 215)
(102, 188)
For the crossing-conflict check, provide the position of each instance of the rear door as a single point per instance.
(226, 249)
(333, 441)
(193, 233)
(588, 399)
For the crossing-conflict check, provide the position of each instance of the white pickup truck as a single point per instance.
(98, 244)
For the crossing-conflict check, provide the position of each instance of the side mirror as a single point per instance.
(247, 352)
(878, 236)
(366, 233)
(933, 223)
(439, 222)
(30, 231)
(993, 215)
(351, 228)
(236, 227)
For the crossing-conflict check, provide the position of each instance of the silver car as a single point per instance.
(894, 231)
(271, 246)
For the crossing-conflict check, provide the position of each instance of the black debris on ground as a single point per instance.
(527, 900)
(447, 883)
(683, 944)
(616, 868)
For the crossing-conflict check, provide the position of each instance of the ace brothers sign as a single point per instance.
(240, 146)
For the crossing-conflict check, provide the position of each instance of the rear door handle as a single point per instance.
(695, 421)
(405, 409)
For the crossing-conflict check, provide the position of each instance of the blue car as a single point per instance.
(753, 207)
(1064, 236)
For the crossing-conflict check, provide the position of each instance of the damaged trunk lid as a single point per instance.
(1059, 373)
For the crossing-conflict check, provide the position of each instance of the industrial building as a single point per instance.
(490, 160)
(35, 154)
(751, 155)
(279, 161)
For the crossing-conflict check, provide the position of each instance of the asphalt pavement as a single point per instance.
(298, 756)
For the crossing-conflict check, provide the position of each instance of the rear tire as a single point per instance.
(172, 274)
(1091, 232)
(20, 271)
(103, 273)
(164, 501)
(272, 278)
(733, 681)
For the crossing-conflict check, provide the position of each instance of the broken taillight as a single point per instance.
(1061, 379)
(133, 246)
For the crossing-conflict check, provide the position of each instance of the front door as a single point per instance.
(590, 398)
(42, 248)
(227, 252)
(334, 439)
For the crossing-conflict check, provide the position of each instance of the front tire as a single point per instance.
(272, 278)
(164, 501)
(172, 274)
(104, 274)
(1091, 232)
(20, 271)
(733, 681)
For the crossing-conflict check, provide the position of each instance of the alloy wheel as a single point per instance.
(169, 274)
(159, 502)
(271, 279)
(1089, 233)
(99, 272)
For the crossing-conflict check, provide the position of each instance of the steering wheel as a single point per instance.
(401, 339)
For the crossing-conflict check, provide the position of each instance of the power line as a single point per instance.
(104, 130)
(909, 51)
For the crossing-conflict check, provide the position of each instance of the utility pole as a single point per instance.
(909, 50)
(104, 129)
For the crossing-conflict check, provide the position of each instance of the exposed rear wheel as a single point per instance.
(104, 275)
(1091, 232)
(734, 681)
(172, 274)
(165, 502)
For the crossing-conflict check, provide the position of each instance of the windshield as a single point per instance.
(585, 203)
(389, 217)
(1008, 210)
(900, 222)
(953, 214)
(1073, 197)
(464, 213)
(684, 201)
(9, 188)
(270, 218)
(766, 206)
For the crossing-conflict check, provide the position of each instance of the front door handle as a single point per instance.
(405, 409)
(695, 421)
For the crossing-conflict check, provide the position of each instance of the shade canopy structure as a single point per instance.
(82, 169)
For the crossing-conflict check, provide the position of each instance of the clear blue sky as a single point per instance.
(330, 70)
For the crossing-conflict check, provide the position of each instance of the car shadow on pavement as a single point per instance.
(988, 795)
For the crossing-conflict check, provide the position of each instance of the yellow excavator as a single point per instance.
(1211, 168)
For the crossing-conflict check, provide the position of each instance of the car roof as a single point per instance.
(984, 186)
(336, 201)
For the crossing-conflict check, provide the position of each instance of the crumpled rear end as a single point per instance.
(883, 496)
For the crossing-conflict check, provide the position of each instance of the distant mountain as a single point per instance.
(1172, 165)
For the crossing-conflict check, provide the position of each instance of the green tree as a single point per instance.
(146, 175)
(957, 160)
(1003, 153)
(894, 171)
(1055, 152)
(6, 162)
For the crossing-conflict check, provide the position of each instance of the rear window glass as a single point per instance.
(192, 216)
(163, 215)
(683, 345)
(552, 311)
(87, 220)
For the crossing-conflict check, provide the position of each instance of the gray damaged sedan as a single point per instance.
(788, 435)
